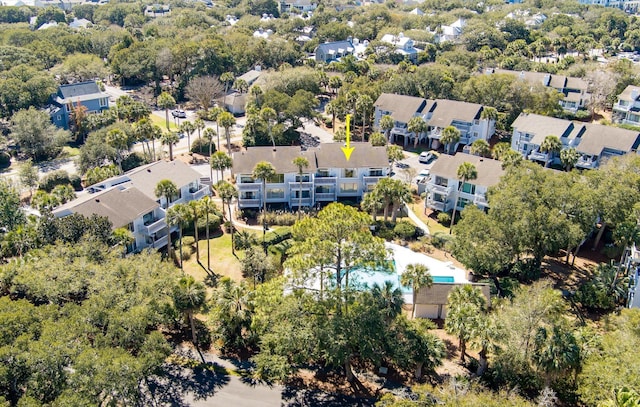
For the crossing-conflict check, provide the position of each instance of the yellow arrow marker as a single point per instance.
(347, 149)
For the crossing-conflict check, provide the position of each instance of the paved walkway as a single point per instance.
(417, 220)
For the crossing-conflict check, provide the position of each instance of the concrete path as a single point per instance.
(417, 220)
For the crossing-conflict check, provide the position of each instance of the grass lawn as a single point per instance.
(161, 121)
(68, 151)
(432, 222)
(223, 262)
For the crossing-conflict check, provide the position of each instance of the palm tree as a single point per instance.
(465, 304)
(511, 158)
(119, 140)
(417, 126)
(481, 147)
(227, 79)
(208, 207)
(364, 104)
(179, 214)
(241, 85)
(170, 139)
(499, 150)
(401, 195)
(557, 352)
(489, 114)
(226, 120)
(388, 299)
(263, 171)
(377, 139)
(551, 145)
(123, 237)
(335, 83)
(387, 124)
(256, 92)
(195, 213)
(189, 297)
(166, 102)
(371, 203)
(188, 128)
(569, 157)
(416, 276)
(394, 154)
(332, 109)
(269, 115)
(302, 163)
(166, 189)
(220, 161)
(450, 136)
(199, 125)
(143, 130)
(466, 172)
(226, 191)
(245, 239)
(214, 114)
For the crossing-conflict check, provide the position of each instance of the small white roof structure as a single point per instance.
(48, 25)
(79, 23)
(417, 12)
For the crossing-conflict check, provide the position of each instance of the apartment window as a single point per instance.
(248, 195)
(462, 202)
(276, 179)
(246, 179)
(176, 197)
(59, 117)
(323, 172)
(348, 187)
(103, 102)
(323, 189)
(69, 107)
(275, 193)
(634, 118)
(468, 188)
(130, 227)
(375, 172)
(349, 173)
(476, 122)
(441, 181)
(305, 178)
(305, 194)
(623, 103)
(475, 134)
(439, 198)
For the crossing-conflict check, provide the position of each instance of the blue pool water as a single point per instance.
(366, 279)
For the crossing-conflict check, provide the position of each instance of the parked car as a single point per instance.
(179, 113)
(426, 157)
(422, 177)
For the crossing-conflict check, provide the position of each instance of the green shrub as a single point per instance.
(277, 236)
(58, 177)
(442, 241)
(444, 218)
(76, 182)
(132, 161)
(188, 240)
(526, 270)
(279, 218)
(404, 230)
(5, 159)
(186, 253)
(214, 224)
(201, 146)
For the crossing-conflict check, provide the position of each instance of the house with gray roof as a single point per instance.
(438, 114)
(297, 6)
(330, 176)
(129, 200)
(125, 208)
(594, 142)
(333, 51)
(626, 110)
(575, 90)
(443, 185)
(68, 97)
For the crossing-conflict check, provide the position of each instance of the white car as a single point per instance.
(422, 177)
(426, 157)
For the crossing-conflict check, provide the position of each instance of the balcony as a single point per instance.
(437, 205)
(480, 200)
(198, 194)
(372, 180)
(538, 156)
(622, 108)
(249, 203)
(296, 201)
(155, 226)
(400, 130)
(325, 180)
(295, 185)
(160, 242)
(587, 163)
(439, 189)
(325, 196)
(249, 187)
(435, 133)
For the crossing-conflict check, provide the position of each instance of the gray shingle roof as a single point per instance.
(542, 126)
(598, 137)
(489, 171)
(121, 206)
(327, 46)
(281, 158)
(446, 111)
(146, 177)
(328, 155)
(402, 107)
(79, 89)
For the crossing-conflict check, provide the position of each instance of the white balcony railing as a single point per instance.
(538, 156)
(437, 205)
(199, 194)
(156, 226)
(439, 189)
(325, 196)
(249, 203)
(372, 180)
(480, 200)
(325, 180)
(587, 163)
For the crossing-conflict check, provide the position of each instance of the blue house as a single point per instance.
(87, 94)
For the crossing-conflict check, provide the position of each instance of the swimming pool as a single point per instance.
(366, 279)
